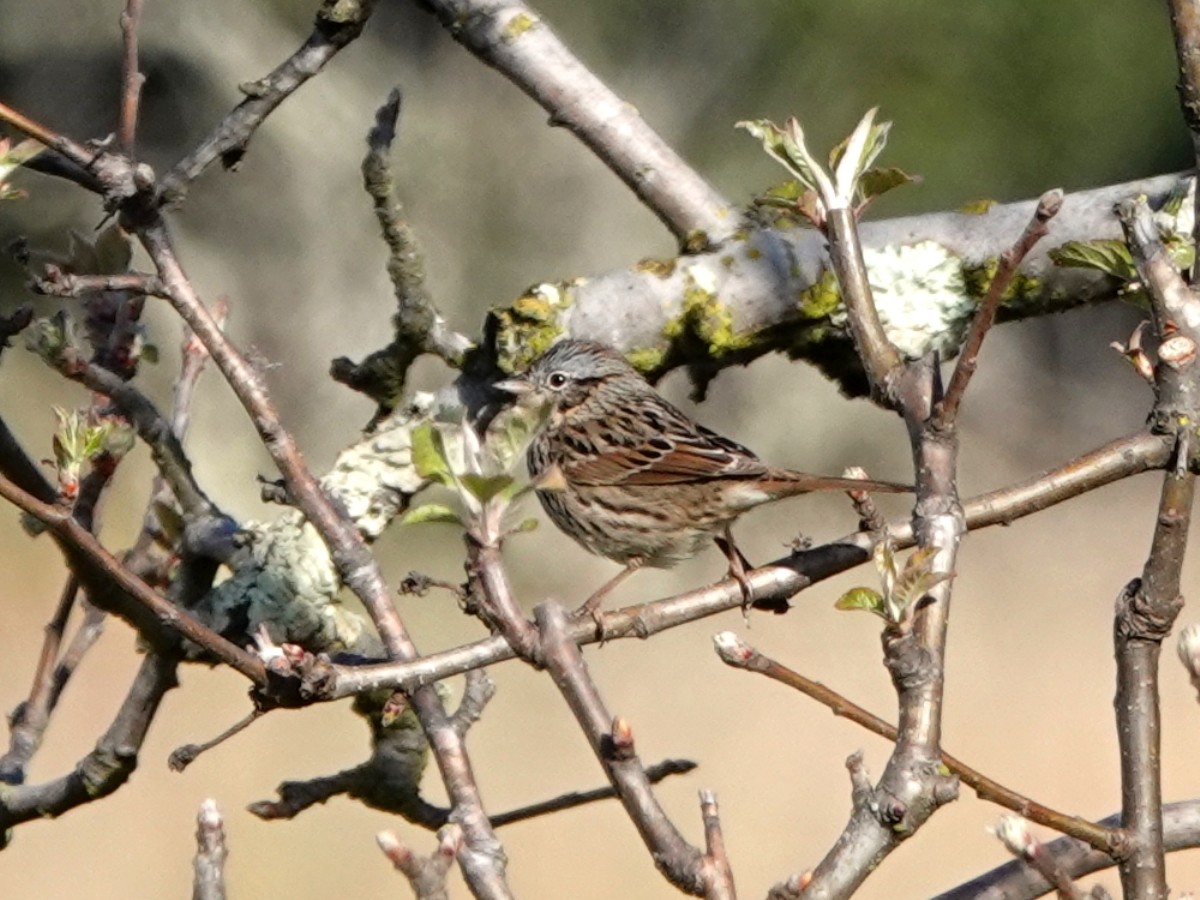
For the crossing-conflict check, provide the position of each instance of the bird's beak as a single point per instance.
(516, 386)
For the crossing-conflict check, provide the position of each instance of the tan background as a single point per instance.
(988, 103)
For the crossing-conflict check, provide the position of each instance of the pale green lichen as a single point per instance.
(704, 316)
(647, 359)
(1023, 292)
(696, 241)
(977, 207)
(822, 298)
(660, 268)
(518, 25)
(531, 325)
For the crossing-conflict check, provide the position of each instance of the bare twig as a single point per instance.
(1147, 608)
(515, 40)
(654, 774)
(879, 357)
(56, 282)
(1185, 25)
(1017, 881)
(28, 721)
(336, 27)
(209, 863)
(611, 740)
(737, 653)
(1014, 833)
(184, 756)
(144, 607)
(131, 78)
(1010, 261)
(426, 874)
(482, 860)
(108, 766)
(109, 174)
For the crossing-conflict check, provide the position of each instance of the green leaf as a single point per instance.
(484, 487)
(429, 454)
(786, 147)
(790, 191)
(913, 588)
(856, 154)
(430, 512)
(511, 432)
(862, 598)
(1111, 257)
(525, 525)
(876, 182)
(1181, 249)
(12, 158)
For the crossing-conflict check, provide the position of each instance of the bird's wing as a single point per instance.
(660, 446)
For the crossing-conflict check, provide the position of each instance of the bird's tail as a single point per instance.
(793, 482)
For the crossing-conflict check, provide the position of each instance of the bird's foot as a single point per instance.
(590, 608)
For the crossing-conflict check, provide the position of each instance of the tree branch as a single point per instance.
(735, 652)
(515, 40)
(337, 25)
(777, 580)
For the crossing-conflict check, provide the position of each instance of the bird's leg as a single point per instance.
(591, 606)
(738, 565)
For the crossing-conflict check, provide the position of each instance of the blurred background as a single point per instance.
(993, 100)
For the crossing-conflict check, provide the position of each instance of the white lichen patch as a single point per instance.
(284, 577)
(373, 478)
(704, 277)
(921, 297)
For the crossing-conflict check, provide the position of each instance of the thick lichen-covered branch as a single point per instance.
(770, 289)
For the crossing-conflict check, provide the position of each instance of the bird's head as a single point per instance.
(569, 373)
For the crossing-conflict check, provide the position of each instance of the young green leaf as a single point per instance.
(430, 512)
(862, 598)
(429, 454)
(1111, 257)
(876, 182)
(484, 487)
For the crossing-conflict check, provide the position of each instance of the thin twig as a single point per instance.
(131, 77)
(482, 862)
(336, 27)
(108, 766)
(145, 602)
(56, 282)
(1015, 880)
(575, 799)
(1010, 262)
(737, 653)
(880, 359)
(28, 721)
(611, 740)
(1185, 25)
(209, 863)
(517, 42)
(182, 757)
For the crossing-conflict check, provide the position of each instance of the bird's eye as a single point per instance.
(556, 380)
